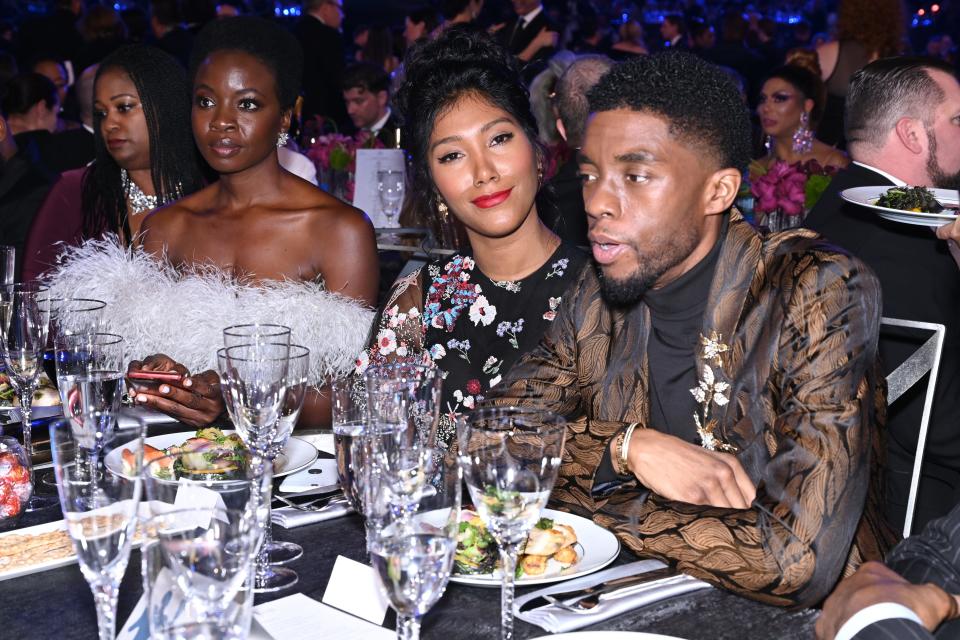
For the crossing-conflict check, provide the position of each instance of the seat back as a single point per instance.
(924, 360)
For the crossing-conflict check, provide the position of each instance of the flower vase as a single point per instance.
(338, 183)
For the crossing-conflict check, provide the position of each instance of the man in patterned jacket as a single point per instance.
(721, 386)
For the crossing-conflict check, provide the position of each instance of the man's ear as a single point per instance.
(721, 191)
(911, 134)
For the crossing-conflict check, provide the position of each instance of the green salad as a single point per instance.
(916, 199)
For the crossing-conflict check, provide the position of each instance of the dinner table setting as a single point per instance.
(120, 522)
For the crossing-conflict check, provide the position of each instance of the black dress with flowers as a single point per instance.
(451, 315)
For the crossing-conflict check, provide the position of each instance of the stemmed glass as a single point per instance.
(254, 379)
(413, 552)
(390, 184)
(510, 458)
(8, 263)
(255, 333)
(90, 369)
(100, 508)
(68, 317)
(23, 332)
(407, 395)
(349, 416)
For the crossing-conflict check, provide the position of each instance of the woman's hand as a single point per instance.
(193, 400)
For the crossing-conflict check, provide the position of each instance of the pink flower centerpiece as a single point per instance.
(335, 156)
(789, 191)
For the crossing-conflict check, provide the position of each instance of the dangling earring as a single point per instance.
(283, 138)
(803, 136)
(539, 174)
(768, 144)
(443, 210)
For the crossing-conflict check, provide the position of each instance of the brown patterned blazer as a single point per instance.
(806, 404)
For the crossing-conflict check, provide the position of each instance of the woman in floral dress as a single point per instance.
(474, 147)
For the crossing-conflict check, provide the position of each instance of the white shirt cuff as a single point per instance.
(874, 613)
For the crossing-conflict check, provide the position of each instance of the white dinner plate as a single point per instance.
(607, 635)
(868, 196)
(297, 455)
(597, 547)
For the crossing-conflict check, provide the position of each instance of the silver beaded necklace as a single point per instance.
(139, 201)
(513, 286)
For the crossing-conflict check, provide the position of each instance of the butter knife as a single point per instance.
(608, 586)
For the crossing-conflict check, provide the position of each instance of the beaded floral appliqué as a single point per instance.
(711, 391)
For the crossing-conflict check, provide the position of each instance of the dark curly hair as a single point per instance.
(266, 41)
(699, 100)
(174, 163)
(462, 61)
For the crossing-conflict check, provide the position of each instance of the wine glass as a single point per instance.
(349, 416)
(90, 369)
(510, 458)
(254, 380)
(408, 395)
(228, 484)
(413, 552)
(67, 317)
(274, 551)
(390, 184)
(22, 336)
(100, 508)
(255, 333)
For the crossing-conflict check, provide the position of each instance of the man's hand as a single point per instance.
(681, 471)
(874, 583)
(195, 400)
(544, 38)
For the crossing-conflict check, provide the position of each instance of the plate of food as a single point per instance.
(561, 546)
(215, 451)
(908, 205)
(46, 399)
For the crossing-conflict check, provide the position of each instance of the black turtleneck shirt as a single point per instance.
(676, 319)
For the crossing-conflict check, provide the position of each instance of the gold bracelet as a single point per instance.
(615, 458)
(625, 447)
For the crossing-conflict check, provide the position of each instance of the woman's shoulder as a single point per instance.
(829, 156)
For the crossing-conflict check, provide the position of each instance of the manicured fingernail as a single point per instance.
(141, 398)
(188, 382)
(164, 389)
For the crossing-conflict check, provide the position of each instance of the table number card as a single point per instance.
(353, 588)
(303, 618)
(366, 193)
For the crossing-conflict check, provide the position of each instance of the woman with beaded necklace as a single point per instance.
(141, 97)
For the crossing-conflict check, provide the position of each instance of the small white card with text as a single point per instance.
(354, 588)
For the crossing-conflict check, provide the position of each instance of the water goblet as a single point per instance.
(22, 336)
(390, 185)
(510, 457)
(413, 552)
(90, 369)
(100, 499)
(349, 416)
(68, 317)
(254, 333)
(405, 394)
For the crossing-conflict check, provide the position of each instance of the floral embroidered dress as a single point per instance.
(451, 315)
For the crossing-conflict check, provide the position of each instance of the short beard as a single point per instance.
(938, 177)
(628, 291)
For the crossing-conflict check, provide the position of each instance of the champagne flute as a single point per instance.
(349, 416)
(8, 263)
(22, 336)
(510, 458)
(100, 508)
(413, 552)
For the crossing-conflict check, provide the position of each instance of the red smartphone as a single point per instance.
(169, 376)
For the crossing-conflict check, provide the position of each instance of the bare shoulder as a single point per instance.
(328, 214)
(828, 53)
(830, 156)
(165, 225)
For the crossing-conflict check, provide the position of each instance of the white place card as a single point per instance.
(300, 617)
(354, 588)
(321, 477)
(366, 192)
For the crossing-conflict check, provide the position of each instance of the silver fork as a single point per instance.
(312, 505)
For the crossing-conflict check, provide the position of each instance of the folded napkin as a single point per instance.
(290, 518)
(556, 620)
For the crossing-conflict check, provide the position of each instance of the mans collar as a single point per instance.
(896, 181)
(88, 128)
(376, 126)
(675, 39)
(528, 17)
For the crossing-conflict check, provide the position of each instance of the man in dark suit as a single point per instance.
(366, 92)
(906, 598)
(529, 36)
(318, 32)
(166, 23)
(567, 218)
(900, 121)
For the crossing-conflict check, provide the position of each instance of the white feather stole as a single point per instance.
(160, 310)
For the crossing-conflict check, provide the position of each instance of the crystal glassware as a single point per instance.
(99, 499)
(413, 551)
(68, 317)
(254, 380)
(390, 185)
(408, 395)
(349, 415)
(8, 262)
(22, 337)
(274, 551)
(229, 485)
(510, 458)
(256, 333)
(90, 370)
